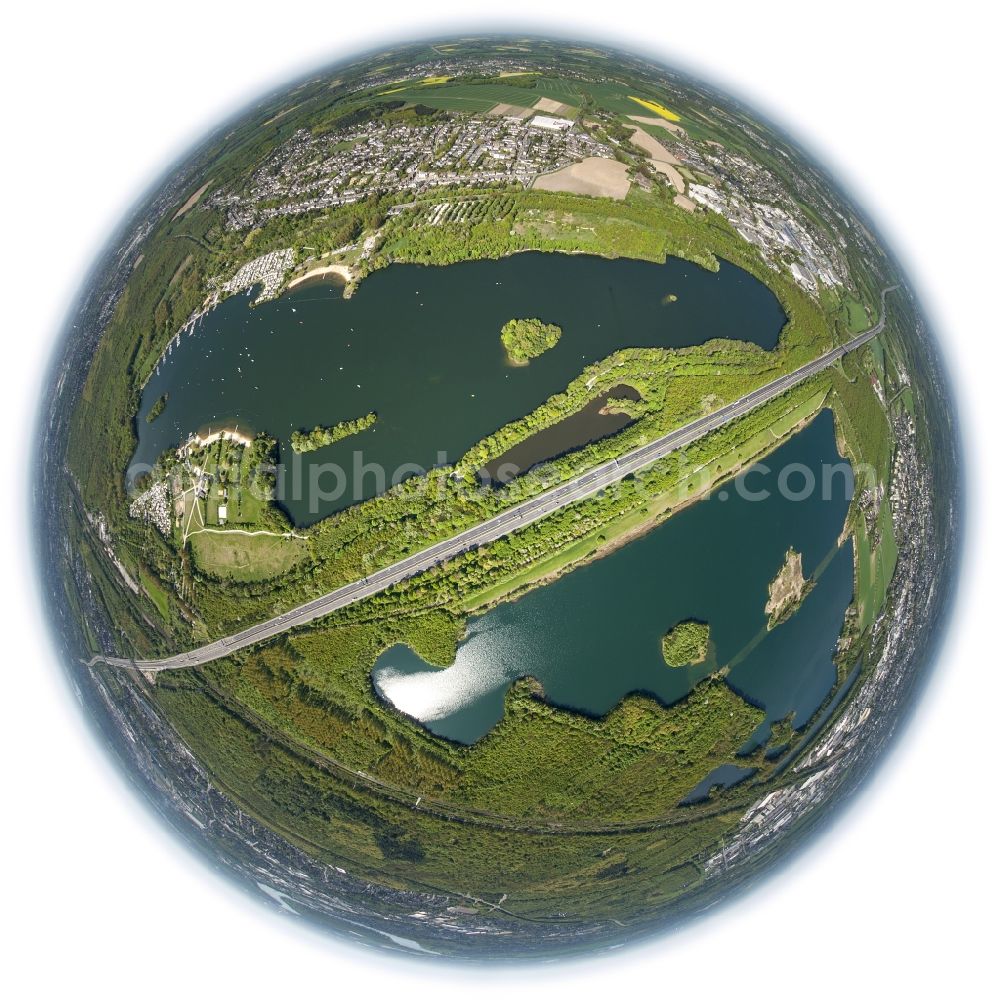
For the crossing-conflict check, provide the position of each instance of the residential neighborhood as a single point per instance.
(310, 173)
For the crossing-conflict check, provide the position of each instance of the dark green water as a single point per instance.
(580, 428)
(421, 347)
(724, 776)
(594, 635)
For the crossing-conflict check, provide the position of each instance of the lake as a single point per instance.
(594, 635)
(421, 347)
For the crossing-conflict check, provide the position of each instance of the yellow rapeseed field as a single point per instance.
(657, 109)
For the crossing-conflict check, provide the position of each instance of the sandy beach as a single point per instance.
(341, 270)
(224, 433)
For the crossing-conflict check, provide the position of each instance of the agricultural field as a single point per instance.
(594, 177)
(656, 108)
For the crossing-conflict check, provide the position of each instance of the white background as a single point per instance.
(900, 895)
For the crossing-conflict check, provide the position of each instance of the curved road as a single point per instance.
(522, 514)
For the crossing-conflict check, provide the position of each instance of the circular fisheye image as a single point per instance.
(497, 498)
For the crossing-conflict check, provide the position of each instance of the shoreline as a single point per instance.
(632, 532)
(342, 271)
(197, 440)
(351, 281)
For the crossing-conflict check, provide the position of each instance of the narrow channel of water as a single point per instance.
(724, 776)
(591, 423)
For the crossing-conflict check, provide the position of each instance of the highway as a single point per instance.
(584, 485)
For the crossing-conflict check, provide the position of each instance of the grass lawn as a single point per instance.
(875, 566)
(156, 593)
(855, 315)
(245, 558)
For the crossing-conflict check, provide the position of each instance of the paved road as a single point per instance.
(525, 513)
